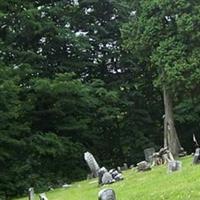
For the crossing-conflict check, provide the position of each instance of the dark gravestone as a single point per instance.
(196, 158)
(174, 165)
(31, 193)
(149, 154)
(107, 194)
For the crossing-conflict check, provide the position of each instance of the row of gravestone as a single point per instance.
(105, 194)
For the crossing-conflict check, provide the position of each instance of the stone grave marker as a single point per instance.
(107, 194)
(149, 154)
(119, 169)
(125, 166)
(174, 165)
(92, 163)
(143, 166)
(43, 196)
(196, 158)
(31, 193)
(107, 178)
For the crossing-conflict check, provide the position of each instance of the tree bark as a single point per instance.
(171, 139)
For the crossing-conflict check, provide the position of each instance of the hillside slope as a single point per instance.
(156, 184)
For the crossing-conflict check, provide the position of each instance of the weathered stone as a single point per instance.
(43, 196)
(119, 169)
(143, 166)
(101, 173)
(107, 194)
(107, 178)
(31, 193)
(125, 166)
(92, 163)
(174, 165)
(196, 158)
(149, 154)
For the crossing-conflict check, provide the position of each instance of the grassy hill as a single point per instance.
(156, 184)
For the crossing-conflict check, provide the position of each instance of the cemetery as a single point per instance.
(176, 180)
(99, 100)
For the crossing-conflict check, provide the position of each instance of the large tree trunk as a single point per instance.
(171, 139)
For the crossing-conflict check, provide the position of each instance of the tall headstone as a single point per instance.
(43, 196)
(92, 163)
(31, 193)
(174, 165)
(107, 194)
(149, 154)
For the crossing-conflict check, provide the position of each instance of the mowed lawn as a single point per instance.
(152, 185)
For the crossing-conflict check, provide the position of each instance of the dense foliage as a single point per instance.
(87, 75)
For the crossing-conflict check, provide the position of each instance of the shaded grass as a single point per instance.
(156, 184)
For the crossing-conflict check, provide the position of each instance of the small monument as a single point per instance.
(149, 154)
(143, 166)
(43, 196)
(196, 158)
(174, 165)
(31, 193)
(125, 166)
(107, 194)
(107, 178)
(92, 163)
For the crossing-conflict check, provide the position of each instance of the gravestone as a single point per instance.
(119, 169)
(143, 166)
(196, 158)
(149, 154)
(92, 163)
(174, 165)
(43, 196)
(107, 194)
(107, 178)
(31, 193)
(101, 172)
(125, 166)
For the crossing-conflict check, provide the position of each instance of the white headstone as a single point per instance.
(107, 194)
(92, 163)
(31, 193)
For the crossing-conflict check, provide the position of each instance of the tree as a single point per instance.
(163, 34)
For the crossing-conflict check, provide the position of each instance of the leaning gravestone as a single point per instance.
(196, 158)
(149, 154)
(107, 194)
(31, 193)
(174, 165)
(43, 196)
(92, 163)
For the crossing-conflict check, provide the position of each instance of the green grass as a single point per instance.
(156, 184)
